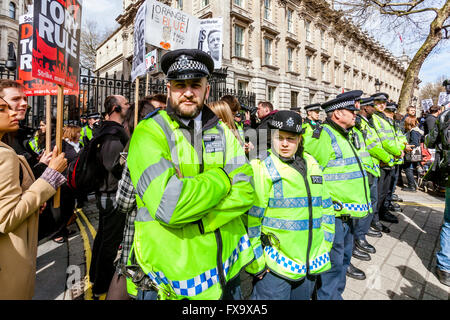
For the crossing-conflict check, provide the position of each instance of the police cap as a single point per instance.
(380, 96)
(391, 106)
(366, 102)
(354, 94)
(311, 107)
(83, 117)
(287, 120)
(185, 64)
(345, 101)
(94, 115)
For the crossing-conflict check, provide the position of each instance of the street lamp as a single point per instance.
(377, 85)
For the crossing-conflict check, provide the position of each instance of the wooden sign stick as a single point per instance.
(59, 127)
(48, 124)
(147, 84)
(136, 104)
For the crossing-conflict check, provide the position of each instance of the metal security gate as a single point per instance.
(94, 90)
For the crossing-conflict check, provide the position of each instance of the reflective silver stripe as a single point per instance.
(143, 215)
(242, 177)
(151, 173)
(364, 154)
(372, 145)
(169, 200)
(235, 163)
(169, 137)
(224, 141)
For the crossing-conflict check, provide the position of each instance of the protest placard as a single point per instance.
(427, 104)
(171, 29)
(210, 39)
(444, 99)
(138, 68)
(151, 61)
(56, 39)
(33, 86)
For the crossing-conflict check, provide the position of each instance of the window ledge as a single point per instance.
(270, 67)
(242, 58)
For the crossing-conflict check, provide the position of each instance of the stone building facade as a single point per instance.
(10, 11)
(289, 52)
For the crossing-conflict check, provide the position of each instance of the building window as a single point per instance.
(242, 87)
(322, 39)
(311, 97)
(267, 51)
(12, 10)
(290, 24)
(205, 3)
(11, 51)
(238, 3)
(324, 71)
(294, 99)
(308, 30)
(271, 94)
(290, 59)
(267, 10)
(179, 4)
(308, 66)
(336, 71)
(238, 41)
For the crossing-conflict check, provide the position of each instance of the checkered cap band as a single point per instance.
(185, 64)
(340, 105)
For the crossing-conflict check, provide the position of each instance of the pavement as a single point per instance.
(401, 269)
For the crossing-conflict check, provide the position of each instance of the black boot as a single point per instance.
(360, 255)
(355, 273)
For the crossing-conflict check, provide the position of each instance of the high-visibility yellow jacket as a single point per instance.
(343, 170)
(189, 234)
(291, 224)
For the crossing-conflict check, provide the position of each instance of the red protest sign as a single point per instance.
(33, 86)
(56, 38)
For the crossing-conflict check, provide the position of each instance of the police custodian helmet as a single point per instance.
(185, 64)
(287, 120)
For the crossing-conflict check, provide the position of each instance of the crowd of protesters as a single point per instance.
(31, 174)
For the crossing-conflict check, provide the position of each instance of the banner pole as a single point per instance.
(136, 104)
(59, 127)
(147, 84)
(48, 124)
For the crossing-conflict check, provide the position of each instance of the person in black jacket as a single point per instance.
(111, 224)
(431, 119)
(414, 136)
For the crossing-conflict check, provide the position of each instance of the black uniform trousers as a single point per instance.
(106, 243)
(384, 187)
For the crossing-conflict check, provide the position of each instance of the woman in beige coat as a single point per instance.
(21, 197)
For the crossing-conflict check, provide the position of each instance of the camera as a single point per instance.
(250, 109)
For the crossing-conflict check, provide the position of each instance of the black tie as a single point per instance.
(191, 125)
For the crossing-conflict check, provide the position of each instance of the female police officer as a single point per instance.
(291, 225)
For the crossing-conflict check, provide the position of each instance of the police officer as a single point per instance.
(402, 142)
(312, 118)
(387, 137)
(193, 183)
(335, 149)
(83, 120)
(364, 123)
(87, 132)
(291, 225)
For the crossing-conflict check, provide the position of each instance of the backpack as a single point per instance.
(84, 173)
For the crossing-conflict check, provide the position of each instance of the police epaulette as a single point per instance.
(317, 132)
(151, 114)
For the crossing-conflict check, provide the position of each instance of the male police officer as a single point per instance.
(291, 225)
(193, 183)
(335, 150)
(312, 116)
(387, 137)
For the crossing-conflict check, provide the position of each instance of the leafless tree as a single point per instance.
(91, 37)
(423, 22)
(432, 90)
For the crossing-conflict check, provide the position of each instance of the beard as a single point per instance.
(187, 112)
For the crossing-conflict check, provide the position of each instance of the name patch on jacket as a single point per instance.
(317, 179)
(213, 143)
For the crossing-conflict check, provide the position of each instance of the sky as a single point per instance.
(436, 65)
